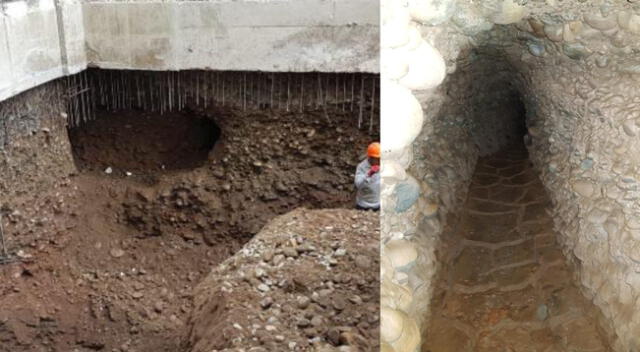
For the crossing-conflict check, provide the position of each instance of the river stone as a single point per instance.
(576, 51)
(542, 312)
(400, 122)
(586, 164)
(401, 253)
(599, 22)
(583, 188)
(431, 12)
(391, 324)
(427, 68)
(407, 193)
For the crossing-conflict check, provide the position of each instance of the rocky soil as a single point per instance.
(307, 282)
(109, 260)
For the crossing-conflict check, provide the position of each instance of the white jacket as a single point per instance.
(368, 195)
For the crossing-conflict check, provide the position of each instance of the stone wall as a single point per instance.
(583, 118)
(572, 66)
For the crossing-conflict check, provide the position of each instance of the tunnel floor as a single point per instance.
(507, 286)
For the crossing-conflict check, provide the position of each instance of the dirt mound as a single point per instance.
(307, 282)
(110, 261)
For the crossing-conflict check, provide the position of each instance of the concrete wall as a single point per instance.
(32, 44)
(40, 41)
(301, 35)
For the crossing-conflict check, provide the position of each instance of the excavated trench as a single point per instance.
(504, 282)
(118, 199)
(522, 249)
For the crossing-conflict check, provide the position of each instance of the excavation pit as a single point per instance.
(114, 261)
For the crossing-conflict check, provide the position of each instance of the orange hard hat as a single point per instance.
(373, 150)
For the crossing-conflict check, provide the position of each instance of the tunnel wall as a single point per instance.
(573, 66)
(581, 99)
(46, 39)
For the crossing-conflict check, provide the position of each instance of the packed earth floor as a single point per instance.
(109, 258)
(508, 287)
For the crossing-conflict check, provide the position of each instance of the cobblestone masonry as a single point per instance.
(505, 284)
(446, 65)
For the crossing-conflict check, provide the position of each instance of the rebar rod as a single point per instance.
(302, 92)
(288, 91)
(353, 84)
(5, 253)
(272, 86)
(361, 101)
(207, 79)
(335, 98)
(373, 104)
(344, 93)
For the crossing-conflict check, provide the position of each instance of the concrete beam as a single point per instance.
(300, 35)
(39, 42)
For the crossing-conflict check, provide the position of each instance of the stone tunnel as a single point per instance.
(146, 144)
(510, 189)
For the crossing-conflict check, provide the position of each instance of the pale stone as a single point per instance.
(554, 32)
(571, 30)
(599, 22)
(393, 63)
(385, 347)
(584, 188)
(391, 324)
(403, 156)
(395, 20)
(470, 21)
(633, 223)
(415, 38)
(629, 127)
(510, 12)
(576, 51)
(410, 338)
(392, 171)
(629, 21)
(400, 277)
(431, 12)
(427, 68)
(401, 117)
(401, 253)
(386, 267)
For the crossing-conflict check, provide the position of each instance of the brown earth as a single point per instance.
(109, 261)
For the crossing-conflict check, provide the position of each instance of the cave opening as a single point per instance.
(128, 142)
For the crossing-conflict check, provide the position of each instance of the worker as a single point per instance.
(368, 180)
